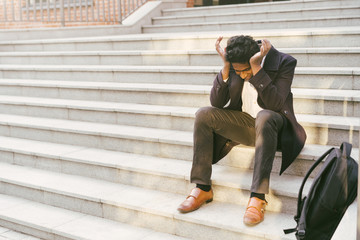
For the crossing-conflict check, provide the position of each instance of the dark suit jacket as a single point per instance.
(273, 84)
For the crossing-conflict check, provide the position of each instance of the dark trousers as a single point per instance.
(240, 127)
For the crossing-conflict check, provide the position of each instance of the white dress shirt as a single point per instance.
(249, 98)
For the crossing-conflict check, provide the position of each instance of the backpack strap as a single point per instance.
(300, 201)
(306, 177)
(346, 149)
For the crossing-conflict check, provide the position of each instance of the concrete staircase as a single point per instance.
(96, 132)
(8, 234)
(292, 14)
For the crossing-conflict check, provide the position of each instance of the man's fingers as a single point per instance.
(267, 43)
(218, 40)
(218, 47)
(265, 47)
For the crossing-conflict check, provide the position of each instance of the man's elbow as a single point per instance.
(216, 101)
(277, 106)
(216, 104)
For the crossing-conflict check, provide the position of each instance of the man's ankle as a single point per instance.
(205, 188)
(258, 195)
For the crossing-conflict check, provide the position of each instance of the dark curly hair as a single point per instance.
(240, 49)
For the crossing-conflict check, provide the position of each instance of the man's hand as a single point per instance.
(264, 49)
(226, 69)
(255, 61)
(219, 49)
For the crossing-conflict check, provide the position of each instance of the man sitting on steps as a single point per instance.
(252, 104)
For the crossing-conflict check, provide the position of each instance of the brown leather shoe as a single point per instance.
(194, 201)
(255, 211)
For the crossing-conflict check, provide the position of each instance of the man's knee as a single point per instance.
(266, 119)
(203, 115)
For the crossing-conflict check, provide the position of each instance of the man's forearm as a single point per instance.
(225, 71)
(255, 67)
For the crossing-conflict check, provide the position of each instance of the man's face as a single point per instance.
(243, 70)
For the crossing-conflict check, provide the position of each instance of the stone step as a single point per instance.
(307, 57)
(326, 102)
(264, 7)
(47, 222)
(281, 38)
(271, 14)
(116, 99)
(323, 130)
(305, 77)
(330, 130)
(15, 181)
(116, 202)
(231, 184)
(142, 115)
(158, 173)
(243, 157)
(177, 114)
(311, 22)
(142, 170)
(8, 234)
(46, 155)
(127, 96)
(148, 208)
(141, 93)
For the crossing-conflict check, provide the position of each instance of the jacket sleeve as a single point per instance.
(274, 93)
(219, 95)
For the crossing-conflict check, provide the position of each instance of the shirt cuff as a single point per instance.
(260, 80)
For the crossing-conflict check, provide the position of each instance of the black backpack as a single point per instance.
(333, 190)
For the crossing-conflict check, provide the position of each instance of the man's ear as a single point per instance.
(225, 53)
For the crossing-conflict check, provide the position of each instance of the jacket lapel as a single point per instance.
(272, 63)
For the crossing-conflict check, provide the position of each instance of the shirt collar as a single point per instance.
(263, 60)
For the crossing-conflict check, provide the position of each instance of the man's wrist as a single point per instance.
(256, 60)
(255, 68)
(226, 65)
